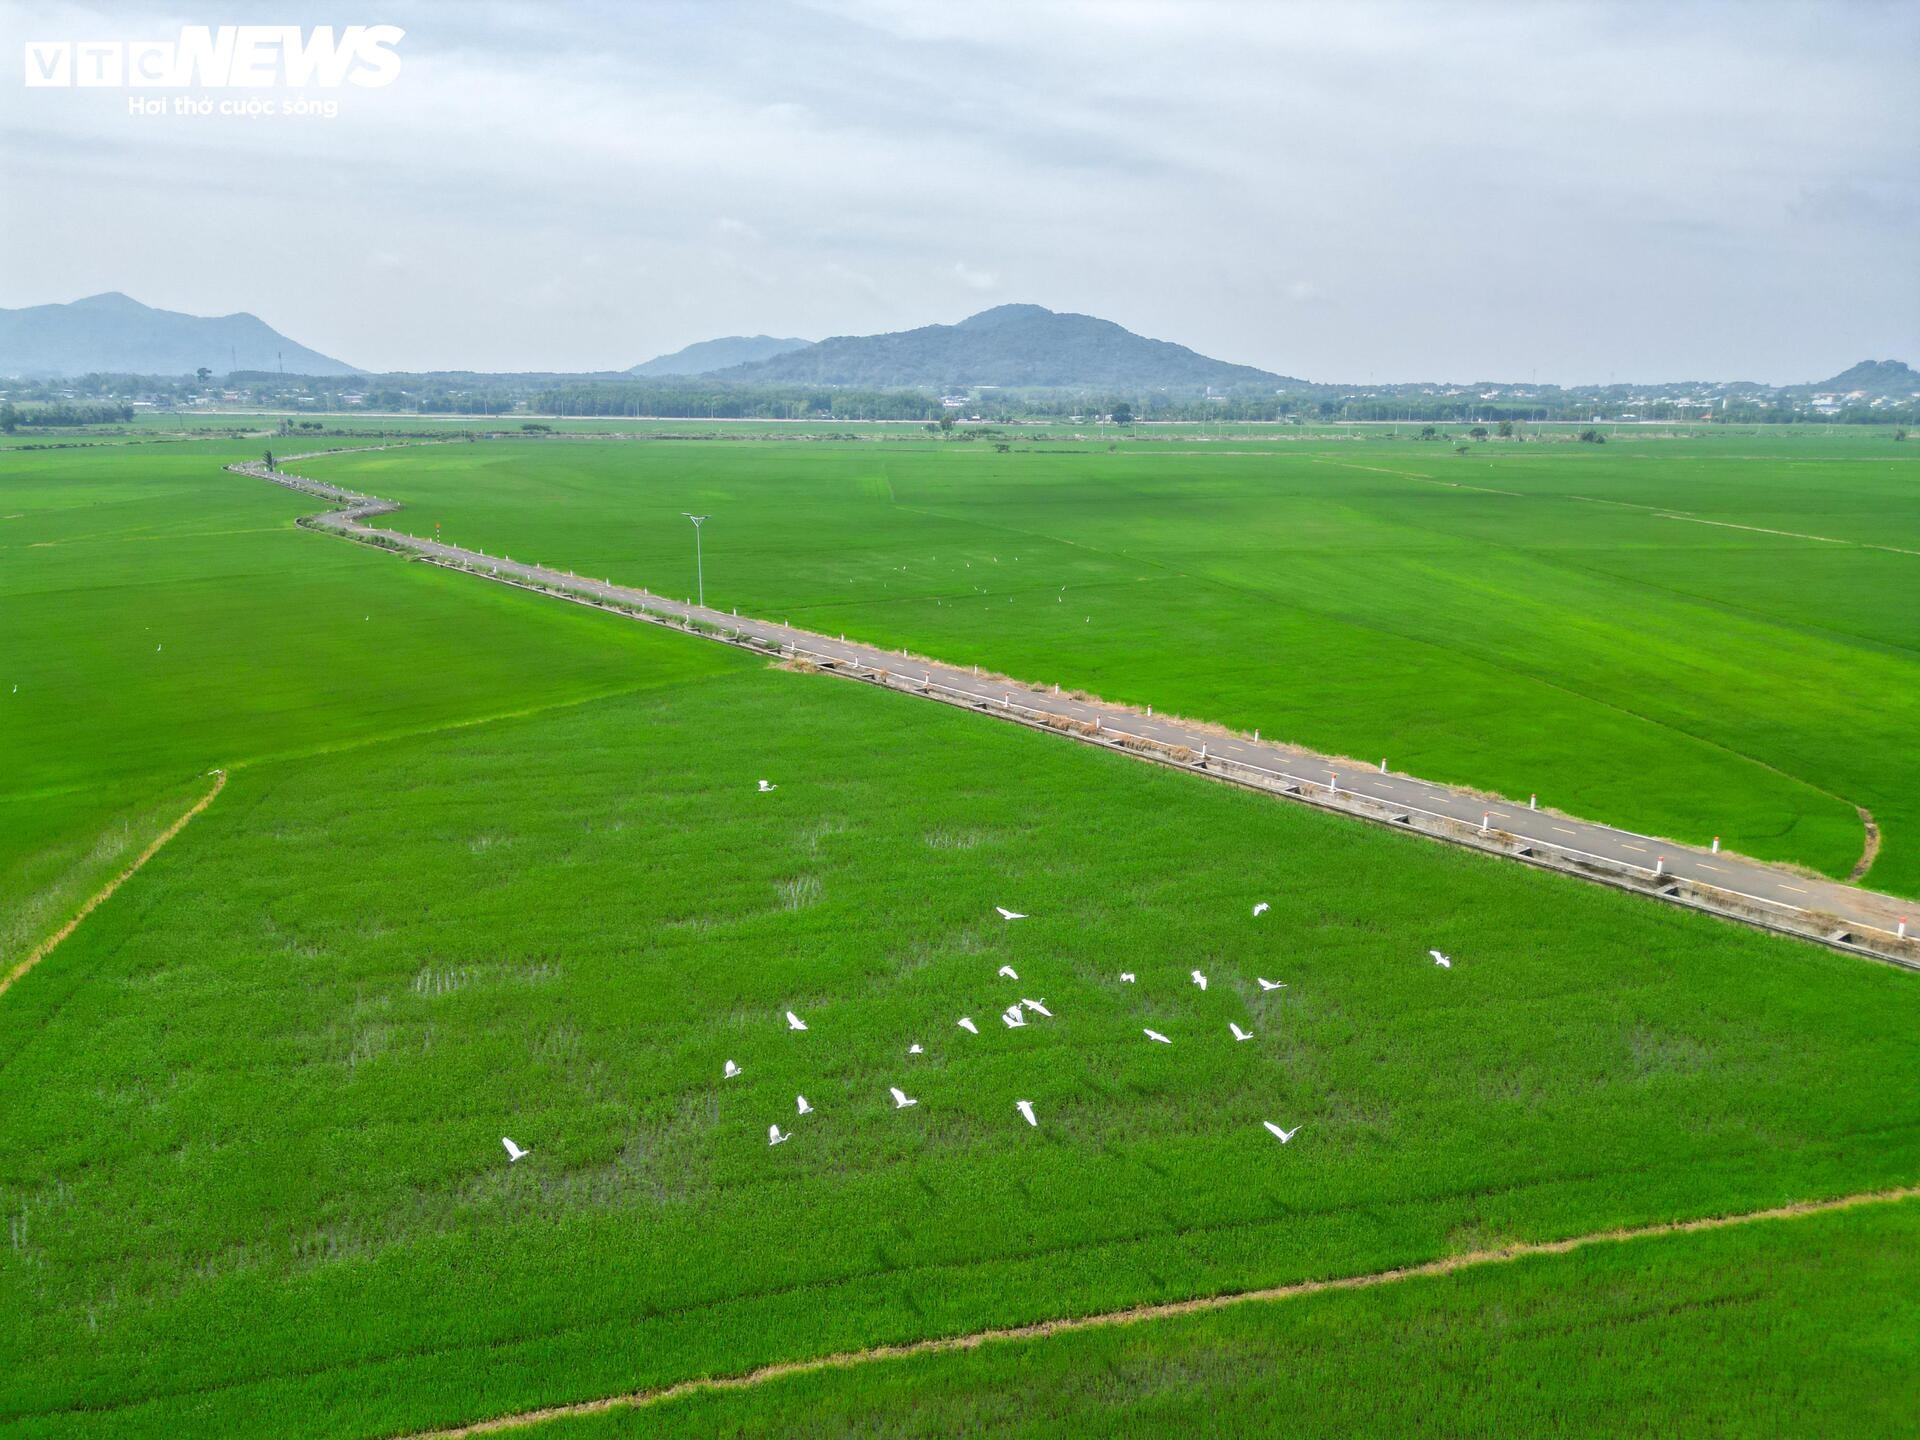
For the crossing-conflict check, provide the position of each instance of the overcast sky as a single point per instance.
(1341, 192)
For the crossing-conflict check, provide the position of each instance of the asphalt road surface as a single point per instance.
(1777, 889)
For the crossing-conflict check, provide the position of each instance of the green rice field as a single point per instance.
(490, 864)
(1691, 637)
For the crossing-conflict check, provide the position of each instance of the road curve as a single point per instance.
(1775, 896)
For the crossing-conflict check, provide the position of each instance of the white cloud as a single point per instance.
(1328, 190)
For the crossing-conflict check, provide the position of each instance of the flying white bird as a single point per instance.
(1126, 977)
(1238, 1033)
(774, 1137)
(514, 1152)
(1199, 979)
(1283, 1136)
(1261, 908)
(158, 648)
(1266, 984)
(801, 1106)
(1445, 962)
(765, 786)
(901, 1100)
(731, 1070)
(794, 1022)
(1007, 972)
(914, 1049)
(1038, 1007)
(1006, 914)
(965, 1022)
(1156, 1037)
(1025, 1107)
(1013, 1017)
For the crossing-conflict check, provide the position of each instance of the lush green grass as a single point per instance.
(160, 618)
(251, 1161)
(1801, 1329)
(1524, 617)
(490, 863)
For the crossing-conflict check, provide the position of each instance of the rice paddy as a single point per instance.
(490, 864)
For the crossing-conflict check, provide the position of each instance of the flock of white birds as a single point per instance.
(1013, 1017)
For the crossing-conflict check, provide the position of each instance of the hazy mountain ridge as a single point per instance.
(703, 357)
(1010, 346)
(115, 334)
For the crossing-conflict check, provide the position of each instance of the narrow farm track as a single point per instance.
(848, 1359)
(1771, 896)
(100, 896)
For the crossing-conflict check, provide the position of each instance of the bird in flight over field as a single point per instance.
(1013, 1018)
(1283, 1136)
(774, 1137)
(1238, 1033)
(1261, 908)
(1266, 984)
(901, 1100)
(794, 1022)
(514, 1152)
(965, 1022)
(731, 1071)
(1445, 962)
(765, 786)
(1025, 1107)
(1199, 979)
(1006, 914)
(914, 1049)
(1126, 977)
(1156, 1037)
(1007, 972)
(1037, 1006)
(801, 1105)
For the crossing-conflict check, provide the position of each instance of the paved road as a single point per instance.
(1779, 890)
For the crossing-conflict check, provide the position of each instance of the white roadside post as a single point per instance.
(1902, 931)
(1716, 844)
(1485, 816)
(1533, 802)
(1659, 865)
(1383, 764)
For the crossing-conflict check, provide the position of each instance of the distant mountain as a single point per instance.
(112, 333)
(1891, 378)
(705, 356)
(1010, 345)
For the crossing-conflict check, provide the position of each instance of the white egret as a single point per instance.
(965, 1022)
(774, 1137)
(514, 1152)
(794, 1022)
(801, 1106)
(1156, 1037)
(1025, 1107)
(1037, 1006)
(1238, 1033)
(1261, 908)
(731, 1071)
(901, 1100)
(1006, 914)
(1006, 972)
(1199, 979)
(1283, 1136)
(1013, 1017)
(1445, 962)
(1266, 984)
(766, 785)
(1126, 977)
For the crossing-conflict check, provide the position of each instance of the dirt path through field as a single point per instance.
(1447, 1266)
(45, 947)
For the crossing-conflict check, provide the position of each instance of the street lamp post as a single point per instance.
(699, 572)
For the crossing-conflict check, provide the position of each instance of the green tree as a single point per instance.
(1123, 414)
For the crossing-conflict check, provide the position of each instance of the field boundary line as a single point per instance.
(105, 892)
(1166, 1310)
